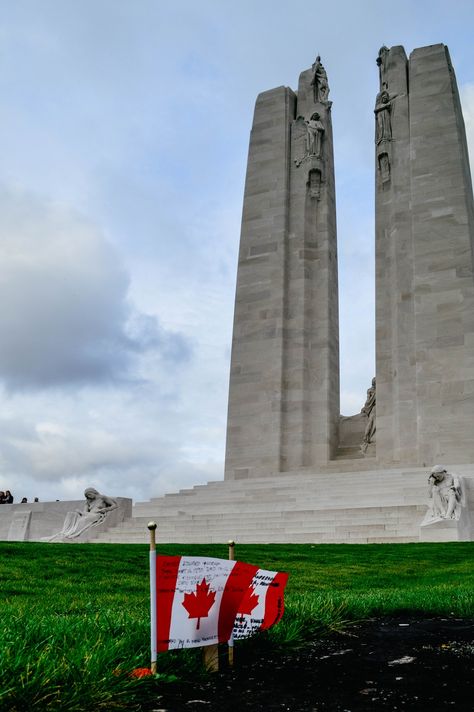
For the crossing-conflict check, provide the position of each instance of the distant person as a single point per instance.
(24, 500)
(2, 497)
(8, 497)
(36, 499)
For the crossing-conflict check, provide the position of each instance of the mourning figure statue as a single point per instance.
(444, 496)
(96, 508)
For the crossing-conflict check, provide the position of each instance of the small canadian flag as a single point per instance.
(202, 600)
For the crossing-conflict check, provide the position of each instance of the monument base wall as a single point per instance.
(355, 507)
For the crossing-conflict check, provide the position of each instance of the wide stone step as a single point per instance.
(325, 507)
(258, 538)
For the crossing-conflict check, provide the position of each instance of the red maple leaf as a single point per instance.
(248, 602)
(199, 604)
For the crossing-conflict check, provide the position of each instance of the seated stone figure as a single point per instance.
(445, 496)
(96, 509)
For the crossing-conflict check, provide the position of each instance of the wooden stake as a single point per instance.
(210, 657)
(153, 631)
(230, 651)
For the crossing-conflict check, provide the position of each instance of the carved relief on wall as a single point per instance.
(314, 136)
(383, 119)
(314, 183)
(383, 160)
(307, 138)
(383, 131)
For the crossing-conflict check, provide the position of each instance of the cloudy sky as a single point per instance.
(124, 131)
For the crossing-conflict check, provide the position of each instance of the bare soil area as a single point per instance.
(386, 664)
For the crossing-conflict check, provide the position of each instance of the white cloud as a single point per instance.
(66, 319)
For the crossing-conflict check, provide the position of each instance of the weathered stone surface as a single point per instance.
(424, 284)
(284, 383)
(254, 416)
(19, 526)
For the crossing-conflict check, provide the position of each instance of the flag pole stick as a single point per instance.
(231, 639)
(153, 631)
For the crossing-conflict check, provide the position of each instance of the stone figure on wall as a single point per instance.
(445, 496)
(369, 410)
(307, 138)
(96, 508)
(314, 137)
(383, 122)
(382, 61)
(319, 82)
(383, 131)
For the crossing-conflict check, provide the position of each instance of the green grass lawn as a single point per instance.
(75, 618)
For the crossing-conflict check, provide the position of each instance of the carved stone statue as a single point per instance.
(319, 81)
(370, 412)
(444, 496)
(314, 136)
(382, 61)
(383, 122)
(96, 508)
(307, 138)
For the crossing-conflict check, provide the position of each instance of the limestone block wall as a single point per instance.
(424, 266)
(442, 216)
(255, 392)
(395, 326)
(284, 382)
(311, 337)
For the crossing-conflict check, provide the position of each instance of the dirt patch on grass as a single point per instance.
(387, 664)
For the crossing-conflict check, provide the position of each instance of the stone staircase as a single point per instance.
(376, 506)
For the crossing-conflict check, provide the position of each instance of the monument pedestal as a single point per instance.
(323, 507)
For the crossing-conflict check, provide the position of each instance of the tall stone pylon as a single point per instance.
(424, 263)
(284, 384)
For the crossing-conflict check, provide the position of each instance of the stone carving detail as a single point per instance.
(382, 61)
(319, 82)
(314, 183)
(315, 135)
(299, 148)
(370, 412)
(307, 138)
(384, 166)
(383, 131)
(96, 508)
(445, 496)
(383, 122)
